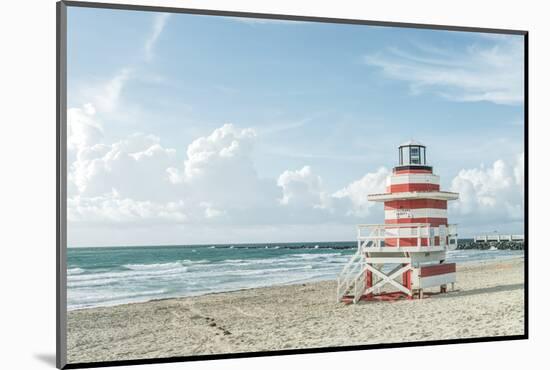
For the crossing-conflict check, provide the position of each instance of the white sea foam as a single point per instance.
(154, 266)
(86, 299)
(316, 255)
(267, 271)
(128, 274)
(74, 271)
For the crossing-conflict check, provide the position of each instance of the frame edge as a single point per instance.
(61, 174)
(291, 17)
(61, 164)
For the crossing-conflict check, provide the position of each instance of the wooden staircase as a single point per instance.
(351, 281)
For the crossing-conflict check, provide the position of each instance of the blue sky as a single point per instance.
(337, 99)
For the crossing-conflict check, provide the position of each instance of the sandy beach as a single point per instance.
(488, 301)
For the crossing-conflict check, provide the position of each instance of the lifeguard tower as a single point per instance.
(406, 254)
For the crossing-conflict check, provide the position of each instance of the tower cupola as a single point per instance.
(412, 155)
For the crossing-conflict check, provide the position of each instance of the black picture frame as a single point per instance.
(61, 184)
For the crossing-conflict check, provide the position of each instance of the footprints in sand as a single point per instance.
(212, 323)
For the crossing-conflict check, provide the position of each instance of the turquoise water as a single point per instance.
(114, 275)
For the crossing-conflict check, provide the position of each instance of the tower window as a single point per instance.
(415, 155)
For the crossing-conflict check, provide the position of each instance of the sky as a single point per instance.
(188, 129)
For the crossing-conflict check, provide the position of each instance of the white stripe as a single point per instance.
(434, 280)
(440, 195)
(395, 214)
(413, 178)
(411, 232)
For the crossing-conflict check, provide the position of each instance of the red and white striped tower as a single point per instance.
(413, 195)
(413, 241)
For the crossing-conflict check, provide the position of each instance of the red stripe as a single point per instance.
(401, 172)
(415, 204)
(433, 221)
(409, 242)
(409, 283)
(412, 187)
(369, 283)
(444, 268)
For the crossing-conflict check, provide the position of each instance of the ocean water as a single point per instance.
(113, 275)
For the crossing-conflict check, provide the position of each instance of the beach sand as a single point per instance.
(488, 301)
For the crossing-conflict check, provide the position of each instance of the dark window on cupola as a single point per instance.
(415, 155)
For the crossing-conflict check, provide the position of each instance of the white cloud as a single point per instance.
(490, 194)
(217, 177)
(211, 212)
(480, 73)
(356, 192)
(159, 22)
(82, 127)
(123, 165)
(304, 193)
(96, 167)
(224, 146)
(219, 169)
(302, 188)
(113, 208)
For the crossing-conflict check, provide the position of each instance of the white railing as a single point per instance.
(347, 278)
(498, 238)
(411, 237)
(359, 285)
(351, 277)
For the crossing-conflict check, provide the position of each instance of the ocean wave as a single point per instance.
(267, 271)
(164, 266)
(288, 246)
(153, 266)
(285, 258)
(316, 255)
(90, 299)
(127, 274)
(75, 270)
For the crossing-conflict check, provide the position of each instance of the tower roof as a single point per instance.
(412, 142)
